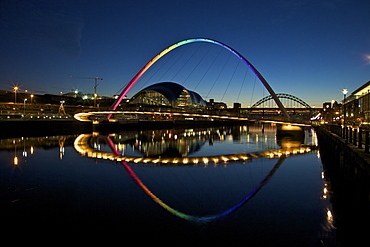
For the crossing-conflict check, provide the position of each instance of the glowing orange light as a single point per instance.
(15, 161)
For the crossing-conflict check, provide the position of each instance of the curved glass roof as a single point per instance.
(172, 92)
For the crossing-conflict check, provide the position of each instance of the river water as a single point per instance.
(171, 186)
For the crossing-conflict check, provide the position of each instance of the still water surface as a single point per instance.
(53, 184)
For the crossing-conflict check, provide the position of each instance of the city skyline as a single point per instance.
(310, 49)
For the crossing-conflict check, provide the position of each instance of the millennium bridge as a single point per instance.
(114, 114)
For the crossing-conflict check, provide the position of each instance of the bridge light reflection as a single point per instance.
(82, 146)
(15, 160)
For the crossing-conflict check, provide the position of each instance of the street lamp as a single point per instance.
(344, 91)
(331, 113)
(24, 107)
(16, 88)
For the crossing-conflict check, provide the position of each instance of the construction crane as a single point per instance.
(95, 86)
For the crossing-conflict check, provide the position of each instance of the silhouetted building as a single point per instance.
(212, 105)
(331, 111)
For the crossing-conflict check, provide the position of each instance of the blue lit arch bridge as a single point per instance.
(167, 99)
(266, 108)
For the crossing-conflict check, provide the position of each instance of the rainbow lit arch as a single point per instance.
(188, 41)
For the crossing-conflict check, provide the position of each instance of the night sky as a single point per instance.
(310, 49)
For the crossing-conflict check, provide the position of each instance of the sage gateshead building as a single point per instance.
(168, 94)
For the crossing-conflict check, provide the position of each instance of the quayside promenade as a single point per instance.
(57, 126)
(351, 143)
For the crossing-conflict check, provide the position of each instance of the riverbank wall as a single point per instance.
(345, 153)
(347, 172)
(111, 127)
(32, 128)
(44, 127)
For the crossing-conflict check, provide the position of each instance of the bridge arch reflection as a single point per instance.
(84, 145)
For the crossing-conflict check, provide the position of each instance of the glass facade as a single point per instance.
(168, 94)
(150, 98)
(357, 105)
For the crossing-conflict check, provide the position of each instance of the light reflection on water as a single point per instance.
(52, 184)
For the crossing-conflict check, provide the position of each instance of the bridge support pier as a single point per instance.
(289, 130)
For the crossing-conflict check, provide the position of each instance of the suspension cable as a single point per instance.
(222, 98)
(156, 71)
(201, 79)
(170, 67)
(183, 64)
(254, 84)
(196, 66)
(245, 75)
(218, 76)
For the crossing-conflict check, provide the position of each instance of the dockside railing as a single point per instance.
(358, 136)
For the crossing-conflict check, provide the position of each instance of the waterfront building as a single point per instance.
(331, 111)
(212, 105)
(357, 105)
(168, 94)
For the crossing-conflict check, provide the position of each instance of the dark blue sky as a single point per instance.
(311, 49)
